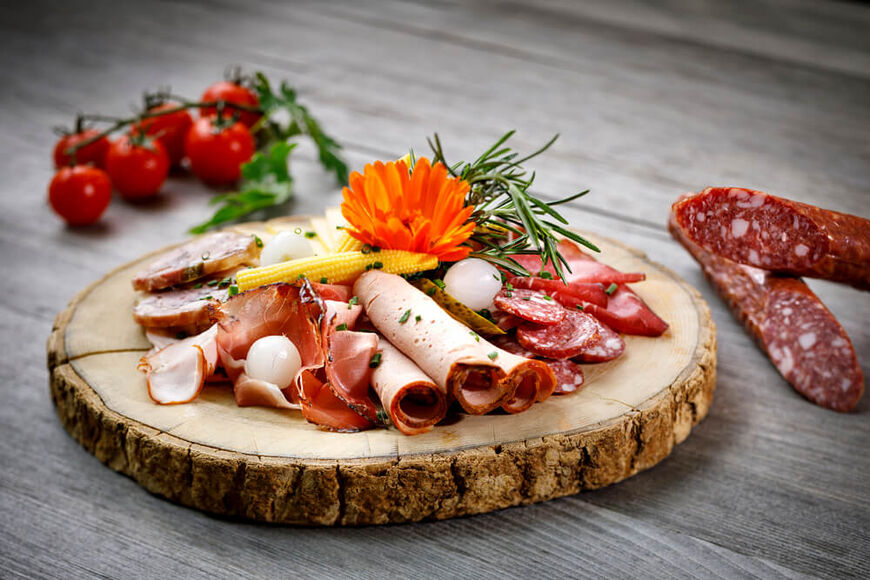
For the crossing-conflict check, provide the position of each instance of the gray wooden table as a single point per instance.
(651, 101)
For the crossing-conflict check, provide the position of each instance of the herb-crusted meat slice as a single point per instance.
(198, 258)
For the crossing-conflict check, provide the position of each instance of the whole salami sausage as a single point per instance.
(754, 228)
(802, 338)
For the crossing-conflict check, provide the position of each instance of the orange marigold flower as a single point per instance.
(421, 211)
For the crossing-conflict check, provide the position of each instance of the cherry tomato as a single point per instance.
(216, 154)
(94, 153)
(232, 93)
(80, 194)
(170, 129)
(137, 170)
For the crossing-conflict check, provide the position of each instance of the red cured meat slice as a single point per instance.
(788, 321)
(568, 295)
(777, 234)
(562, 341)
(321, 407)
(197, 258)
(608, 347)
(569, 376)
(530, 305)
(627, 313)
(338, 292)
(583, 267)
(348, 371)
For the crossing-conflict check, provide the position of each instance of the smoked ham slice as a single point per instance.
(197, 258)
(477, 374)
(413, 400)
(176, 373)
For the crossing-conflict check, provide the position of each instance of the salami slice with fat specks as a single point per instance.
(569, 375)
(530, 305)
(608, 347)
(777, 234)
(576, 332)
(788, 321)
(198, 258)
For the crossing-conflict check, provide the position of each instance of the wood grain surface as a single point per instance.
(651, 99)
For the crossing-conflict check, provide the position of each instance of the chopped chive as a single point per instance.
(205, 256)
(258, 241)
(509, 294)
(198, 285)
(431, 291)
(233, 290)
(418, 318)
(339, 227)
(209, 297)
(546, 275)
(475, 336)
(496, 277)
(212, 283)
(310, 235)
(508, 286)
(546, 297)
(324, 280)
(440, 283)
(527, 298)
(341, 326)
(611, 289)
(493, 355)
(300, 277)
(382, 416)
(352, 302)
(405, 316)
(225, 282)
(378, 265)
(580, 307)
(368, 267)
(375, 362)
(376, 249)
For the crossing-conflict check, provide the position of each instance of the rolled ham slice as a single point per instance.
(176, 373)
(413, 400)
(477, 374)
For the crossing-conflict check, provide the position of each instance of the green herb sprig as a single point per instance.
(504, 208)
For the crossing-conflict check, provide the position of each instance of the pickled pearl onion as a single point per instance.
(274, 359)
(474, 282)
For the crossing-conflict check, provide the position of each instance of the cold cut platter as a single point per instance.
(273, 464)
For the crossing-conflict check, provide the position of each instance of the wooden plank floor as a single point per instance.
(651, 100)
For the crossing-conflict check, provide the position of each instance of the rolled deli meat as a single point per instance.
(476, 373)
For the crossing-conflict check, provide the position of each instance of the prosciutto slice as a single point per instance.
(294, 311)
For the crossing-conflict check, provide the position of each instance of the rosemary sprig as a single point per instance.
(508, 219)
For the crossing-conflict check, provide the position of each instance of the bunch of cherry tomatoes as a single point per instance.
(136, 164)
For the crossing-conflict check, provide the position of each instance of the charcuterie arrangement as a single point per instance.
(433, 287)
(753, 247)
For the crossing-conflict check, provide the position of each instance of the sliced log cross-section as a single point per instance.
(270, 465)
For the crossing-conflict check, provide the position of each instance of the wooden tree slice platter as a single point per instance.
(271, 465)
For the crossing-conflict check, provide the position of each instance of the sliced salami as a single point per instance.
(568, 295)
(788, 321)
(530, 305)
(197, 258)
(569, 376)
(777, 234)
(178, 307)
(608, 347)
(565, 340)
